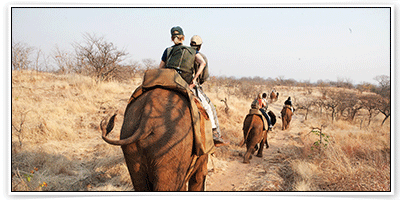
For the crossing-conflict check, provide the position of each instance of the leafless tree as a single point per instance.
(384, 108)
(129, 71)
(350, 103)
(37, 62)
(226, 105)
(342, 103)
(305, 104)
(64, 61)
(324, 91)
(279, 80)
(332, 103)
(384, 86)
(149, 64)
(19, 127)
(344, 83)
(384, 90)
(99, 57)
(20, 56)
(364, 87)
(370, 103)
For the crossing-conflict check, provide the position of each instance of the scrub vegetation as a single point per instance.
(56, 144)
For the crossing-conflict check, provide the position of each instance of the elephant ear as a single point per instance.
(273, 117)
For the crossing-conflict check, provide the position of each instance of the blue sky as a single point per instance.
(295, 43)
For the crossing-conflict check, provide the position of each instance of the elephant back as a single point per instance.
(171, 80)
(257, 112)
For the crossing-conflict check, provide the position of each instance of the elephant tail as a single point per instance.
(106, 128)
(247, 134)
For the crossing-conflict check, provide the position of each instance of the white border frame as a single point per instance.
(394, 162)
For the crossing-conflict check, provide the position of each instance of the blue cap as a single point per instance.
(176, 30)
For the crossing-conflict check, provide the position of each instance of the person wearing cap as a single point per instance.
(289, 103)
(177, 36)
(196, 43)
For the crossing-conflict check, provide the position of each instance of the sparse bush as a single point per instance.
(98, 58)
(20, 56)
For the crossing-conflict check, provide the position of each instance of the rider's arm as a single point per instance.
(162, 64)
(163, 59)
(202, 63)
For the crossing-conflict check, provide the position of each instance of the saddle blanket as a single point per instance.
(258, 112)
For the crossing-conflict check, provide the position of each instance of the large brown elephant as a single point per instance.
(286, 114)
(157, 141)
(254, 134)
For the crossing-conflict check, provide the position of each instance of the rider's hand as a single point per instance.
(192, 84)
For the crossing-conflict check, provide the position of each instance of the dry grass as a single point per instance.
(354, 159)
(56, 121)
(55, 135)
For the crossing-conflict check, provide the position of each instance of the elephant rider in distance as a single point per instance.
(260, 103)
(288, 102)
(182, 59)
(196, 43)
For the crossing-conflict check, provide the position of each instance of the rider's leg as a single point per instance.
(207, 107)
(266, 117)
(216, 131)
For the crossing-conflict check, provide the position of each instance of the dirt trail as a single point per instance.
(227, 172)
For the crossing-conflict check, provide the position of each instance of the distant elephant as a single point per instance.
(157, 141)
(254, 134)
(273, 96)
(286, 114)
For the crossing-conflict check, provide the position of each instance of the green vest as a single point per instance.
(182, 58)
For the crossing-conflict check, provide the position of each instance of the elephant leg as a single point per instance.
(169, 177)
(170, 174)
(260, 151)
(198, 179)
(249, 152)
(139, 179)
(137, 171)
(285, 125)
(255, 149)
(141, 182)
(247, 157)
